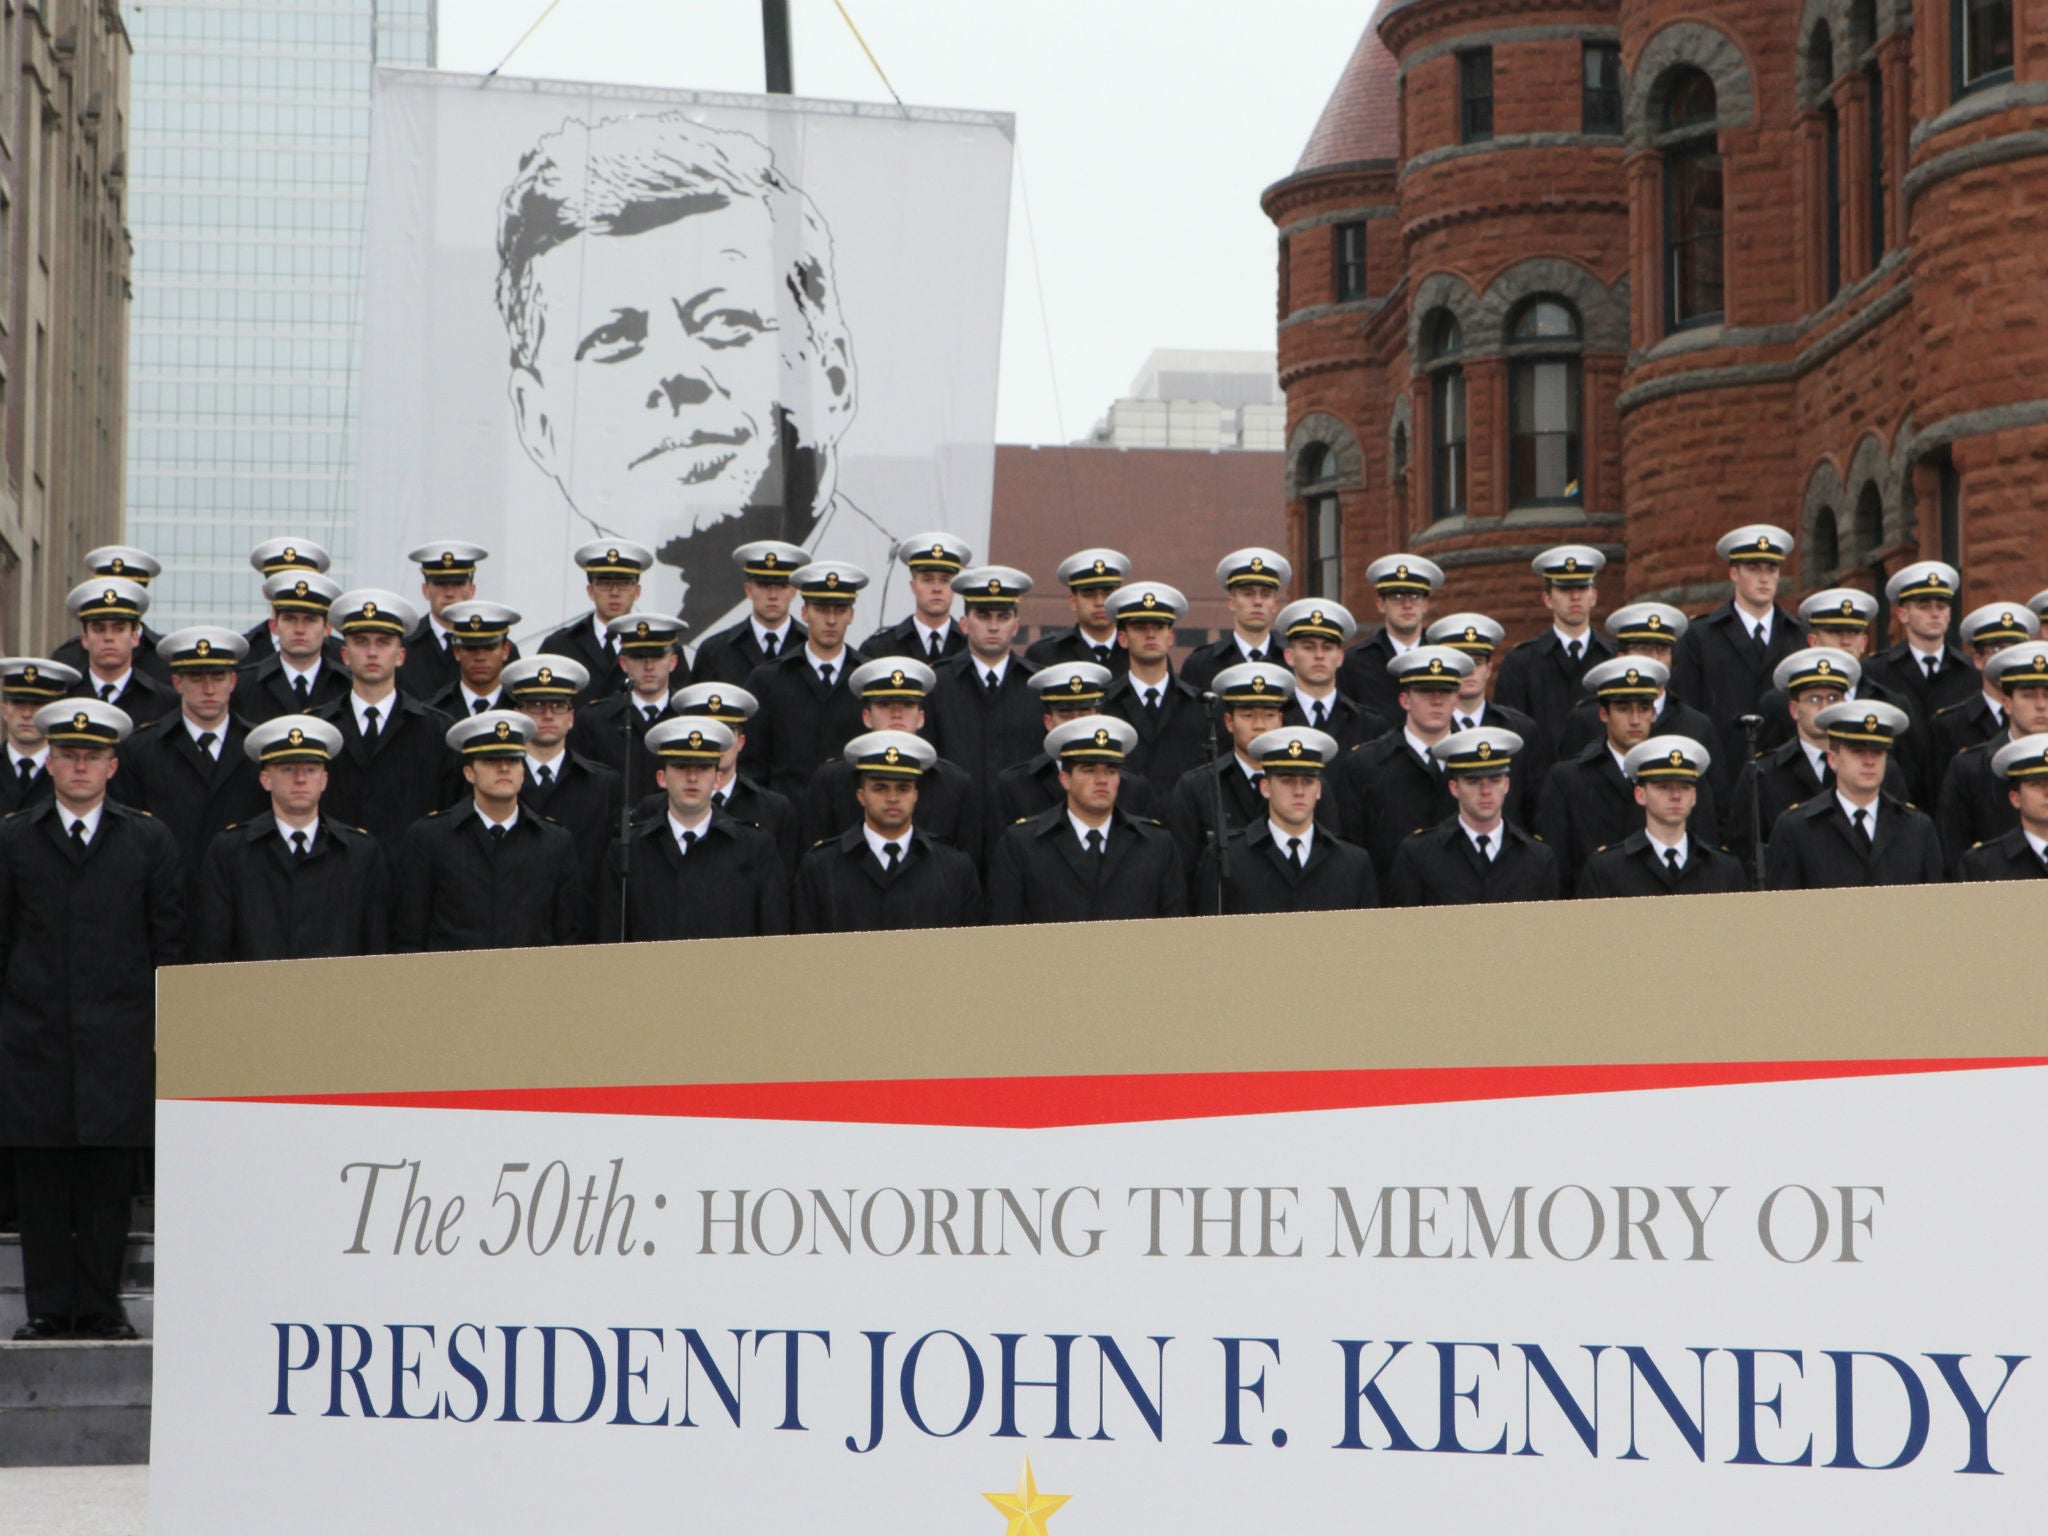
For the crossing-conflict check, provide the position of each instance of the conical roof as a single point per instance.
(1361, 120)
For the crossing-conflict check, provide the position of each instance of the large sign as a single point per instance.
(679, 318)
(1279, 1231)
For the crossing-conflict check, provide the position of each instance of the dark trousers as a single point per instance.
(73, 1205)
(7, 1223)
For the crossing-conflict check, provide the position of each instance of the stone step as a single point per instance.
(74, 1404)
(140, 1305)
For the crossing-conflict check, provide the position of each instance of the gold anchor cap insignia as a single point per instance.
(297, 737)
(640, 630)
(546, 675)
(204, 648)
(504, 729)
(1294, 749)
(1486, 749)
(300, 589)
(369, 610)
(1677, 757)
(1101, 735)
(892, 755)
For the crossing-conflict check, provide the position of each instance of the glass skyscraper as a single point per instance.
(250, 145)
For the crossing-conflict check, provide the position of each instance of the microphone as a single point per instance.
(1210, 698)
(1750, 722)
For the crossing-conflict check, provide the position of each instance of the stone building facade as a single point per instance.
(1630, 274)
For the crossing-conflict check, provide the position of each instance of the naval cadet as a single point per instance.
(982, 711)
(1313, 634)
(109, 610)
(929, 633)
(808, 713)
(1253, 697)
(884, 872)
(1923, 665)
(1543, 677)
(447, 577)
(1663, 857)
(1975, 805)
(1402, 587)
(273, 557)
(730, 655)
(1722, 665)
(1650, 630)
(1252, 581)
(1394, 785)
(1480, 637)
(291, 883)
(693, 872)
(735, 794)
(27, 683)
(1066, 691)
(298, 677)
(1089, 575)
(2021, 765)
(394, 765)
(612, 569)
(1171, 718)
(487, 875)
(574, 791)
(613, 730)
(188, 769)
(1854, 833)
(128, 564)
(1589, 801)
(91, 905)
(482, 650)
(1836, 619)
(892, 691)
(1282, 861)
(1474, 855)
(1981, 717)
(1087, 858)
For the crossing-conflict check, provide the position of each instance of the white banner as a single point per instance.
(1805, 1305)
(683, 319)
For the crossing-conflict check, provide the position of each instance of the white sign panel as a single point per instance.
(1799, 1305)
(687, 320)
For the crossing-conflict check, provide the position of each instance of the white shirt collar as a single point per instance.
(1281, 836)
(441, 632)
(118, 684)
(471, 700)
(836, 663)
(1683, 847)
(1401, 647)
(311, 829)
(1001, 668)
(1922, 657)
(65, 817)
(1460, 714)
(1082, 829)
(599, 626)
(1420, 748)
(196, 730)
(2040, 848)
(508, 823)
(1246, 644)
(1850, 808)
(878, 844)
(1620, 760)
(926, 634)
(762, 632)
(386, 707)
(1583, 642)
(1327, 698)
(1816, 757)
(40, 757)
(678, 828)
(1493, 839)
(553, 764)
(291, 673)
(1749, 621)
(1251, 771)
(642, 705)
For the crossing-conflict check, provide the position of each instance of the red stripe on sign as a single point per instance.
(1039, 1103)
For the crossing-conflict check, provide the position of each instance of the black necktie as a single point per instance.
(206, 741)
(1862, 820)
(1930, 662)
(1483, 839)
(895, 853)
(825, 674)
(1758, 635)
(547, 776)
(298, 844)
(652, 712)
(689, 842)
(769, 644)
(106, 693)
(1095, 842)
(448, 644)
(934, 650)
(1294, 851)
(1101, 654)
(611, 647)
(299, 687)
(993, 682)
(497, 833)
(1671, 860)
(1152, 702)
(1467, 724)
(1321, 715)
(78, 833)
(479, 706)
(1254, 655)
(718, 799)
(370, 726)
(27, 769)
(1574, 650)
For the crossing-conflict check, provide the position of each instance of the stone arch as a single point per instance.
(1902, 507)
(1441, 290)
(1703, 47)
(1819, 533)
(1344, 466)
(1401, 436)
(1820, 22)
(1603, 318)
(1869, 470)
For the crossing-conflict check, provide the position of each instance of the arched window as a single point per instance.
(1443, 351)
(1314, 471)
(1979, 44)
(1693, 202)
(1821, 78)
(1823, 552)
(1544, 443)
(1868, 527)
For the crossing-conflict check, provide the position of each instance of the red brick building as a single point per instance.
(1630, 274)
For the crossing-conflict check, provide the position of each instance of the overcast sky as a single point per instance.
(1146, 133)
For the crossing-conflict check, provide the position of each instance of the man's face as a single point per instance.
(666, 339)
(1859, 770)
(551, 720)
(1252, 607)
(1570, 606)
(771, 602)
(1855, 641)
(612, 596)
(689, 787)
(1667, 805)
(372, 656)
(828, 624)
(933, 593)
(1247, 723)
(990, 631)
(1091, 787)
(19, 717)
(1755, 583)
(2026, 710)
(1472, 690)
(497, 781)
(1291, 798)
(1806, 706)
(2030, 798)
(1428, 710)
(1053, 717)
(1314, 660)
(439, 594)
(110, 644)
(648, 674)
(893, 715)
(1480, 797)
(294, 788)
(729, 760)
(1628, 721)
(299, 636)
(1091, 609)
(79, 775)
(205, 694)
(481, 664)
(1403, 612)
(888, 803)
(1654, 650)
(1148, 641)
(1925, 620)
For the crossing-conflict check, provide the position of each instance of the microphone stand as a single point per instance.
(625, 810)
(1219, 827)
(1751, 724)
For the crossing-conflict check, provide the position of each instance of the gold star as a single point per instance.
(1027, 1509)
